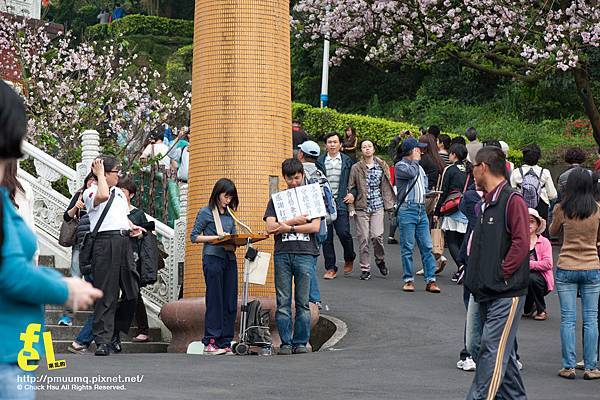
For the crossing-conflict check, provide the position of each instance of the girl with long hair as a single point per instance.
(578, 216)
(431, 162)
(219, 266)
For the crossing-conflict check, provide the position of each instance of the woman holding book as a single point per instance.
(370, 178)
(219, 266)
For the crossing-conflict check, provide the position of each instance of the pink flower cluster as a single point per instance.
(536, 35)
(71, 87)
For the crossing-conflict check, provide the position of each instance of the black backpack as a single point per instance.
(257, 325)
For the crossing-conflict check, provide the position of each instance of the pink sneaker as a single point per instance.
(212, 349)
(228, 351)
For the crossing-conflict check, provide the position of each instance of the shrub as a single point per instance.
(179, 68)
(143, 25)
(320, 121)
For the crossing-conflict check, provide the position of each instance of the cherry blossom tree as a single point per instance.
(70, 87)
(526, 40)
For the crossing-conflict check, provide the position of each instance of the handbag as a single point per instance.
(87, 246)
(431, 202)
(452, 202)
(437, 240)
(68, 232)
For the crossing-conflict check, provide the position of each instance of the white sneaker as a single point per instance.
(460, 364)
(420, 272)
(469, 365)
(520, 365)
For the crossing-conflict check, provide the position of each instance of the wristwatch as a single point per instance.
(292, 229)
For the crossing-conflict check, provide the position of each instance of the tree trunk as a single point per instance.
(582, 80)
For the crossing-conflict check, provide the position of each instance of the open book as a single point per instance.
(303, 200)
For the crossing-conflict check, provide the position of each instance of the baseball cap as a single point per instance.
(410, 143)
(310, 148)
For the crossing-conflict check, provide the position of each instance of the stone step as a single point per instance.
(70, 332)
(60, 347)
(52, 317)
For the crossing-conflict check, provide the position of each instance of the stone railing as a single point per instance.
(49, 206)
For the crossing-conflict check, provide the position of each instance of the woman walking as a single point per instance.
(219, 266)
(578, 216)
(455, 181)
(371, 179)
(541, 279)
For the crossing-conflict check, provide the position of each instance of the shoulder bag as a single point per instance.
(87, 245)
(452, 202)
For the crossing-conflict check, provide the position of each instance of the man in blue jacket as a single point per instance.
(411, 183)
(336, 166)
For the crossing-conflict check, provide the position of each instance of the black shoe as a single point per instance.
(382, 268)
(392, 240)
(115, 344)
(365, 276)
(459, 276)
(299, 350)
(102, 350)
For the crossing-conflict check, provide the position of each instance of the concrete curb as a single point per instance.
(341, 329)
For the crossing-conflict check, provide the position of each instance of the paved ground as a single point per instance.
(399, 346)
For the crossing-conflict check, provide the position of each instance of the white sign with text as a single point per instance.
(23, 8)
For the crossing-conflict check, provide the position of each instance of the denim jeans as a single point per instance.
(413, 224)
(588, 283)
(296, 267)
(13, 384)
(315, 293)
(75, 273)
(474, 328)
(85, 336)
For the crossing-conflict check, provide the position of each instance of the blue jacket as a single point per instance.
(24, 288)
(347, 164)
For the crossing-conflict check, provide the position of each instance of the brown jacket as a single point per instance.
(358, 180)
(579, 250)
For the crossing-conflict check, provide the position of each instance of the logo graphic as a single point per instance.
(28, 355)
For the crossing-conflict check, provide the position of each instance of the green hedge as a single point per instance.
(143, 25)
(320, 121)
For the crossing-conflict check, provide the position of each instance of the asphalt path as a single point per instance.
(398, 346)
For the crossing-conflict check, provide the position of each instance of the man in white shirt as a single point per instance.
(112, 258)
(336, 166)
(157, 150)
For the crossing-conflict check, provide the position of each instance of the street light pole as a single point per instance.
(325, 75)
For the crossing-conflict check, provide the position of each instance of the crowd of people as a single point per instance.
(498, 222)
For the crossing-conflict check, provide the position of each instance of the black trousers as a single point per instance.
(536, 292)
(113, 270)
(342, 228)
(454, 241)
(141, 316)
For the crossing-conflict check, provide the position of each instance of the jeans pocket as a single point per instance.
(562, 275)
(593, 276)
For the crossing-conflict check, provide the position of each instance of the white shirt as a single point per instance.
(182, 172)
(116, 218)
(548, 191)
(156, 150)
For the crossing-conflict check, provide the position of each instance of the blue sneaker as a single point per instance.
(65, 320)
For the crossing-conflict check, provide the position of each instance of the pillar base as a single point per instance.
(185, 320)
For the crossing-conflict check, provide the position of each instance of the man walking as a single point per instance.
(497, 275)
(112, 258)
(411, 183)
(295, 253)
(336, 166)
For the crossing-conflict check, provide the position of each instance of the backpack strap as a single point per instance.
(217, 219)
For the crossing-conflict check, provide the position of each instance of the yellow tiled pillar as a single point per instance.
(241, 114)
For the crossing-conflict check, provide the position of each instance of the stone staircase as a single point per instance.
(48, 209)
(62, 336)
